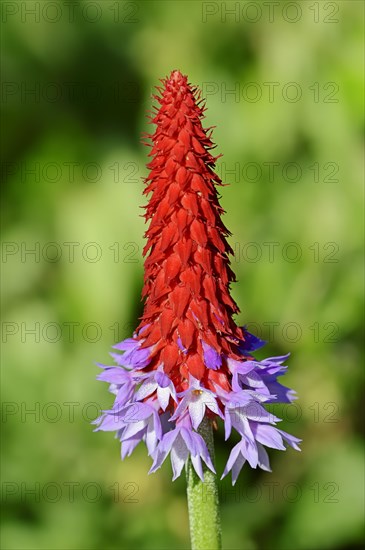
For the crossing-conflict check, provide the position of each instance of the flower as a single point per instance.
(188, 360)
(182, 442)
(196, 399)
(157, 381)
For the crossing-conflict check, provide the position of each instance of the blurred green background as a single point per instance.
(77, 81)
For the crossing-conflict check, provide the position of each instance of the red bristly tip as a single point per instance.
(187, 273)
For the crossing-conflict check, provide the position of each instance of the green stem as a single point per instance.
(203, 501)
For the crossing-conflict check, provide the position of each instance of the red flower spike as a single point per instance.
(188, 359)
(187, 272)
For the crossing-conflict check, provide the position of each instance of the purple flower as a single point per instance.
(239, 416)
(121, 383)
(142, 402)
(134, 356)
(142, 421)
(160, 382)
(261, 376)
(273, 437)
(196, 399)
(180, 443)
(251, 342)
(251, 448)
(254, 453)
(134, 423)
(212, 358)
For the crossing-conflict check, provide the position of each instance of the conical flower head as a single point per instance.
(188, 359)
(188, 307)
